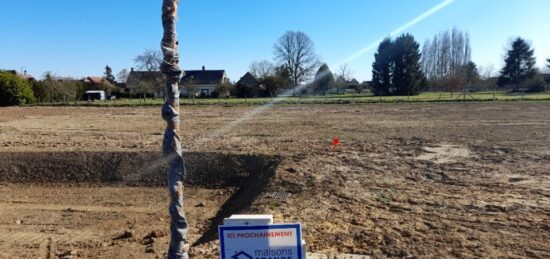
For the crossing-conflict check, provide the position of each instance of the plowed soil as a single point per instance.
(408, 180)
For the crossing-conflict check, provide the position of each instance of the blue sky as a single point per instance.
(79, 37)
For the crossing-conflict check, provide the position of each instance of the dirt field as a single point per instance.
(408, 180)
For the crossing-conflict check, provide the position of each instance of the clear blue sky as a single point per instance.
(79, 37)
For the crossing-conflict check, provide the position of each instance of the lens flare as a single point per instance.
(285, 95)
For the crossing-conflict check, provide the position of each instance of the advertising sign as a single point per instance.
(278, 241)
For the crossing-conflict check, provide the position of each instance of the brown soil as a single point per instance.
(425, 180)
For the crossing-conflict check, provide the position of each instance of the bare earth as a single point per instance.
(408, 180)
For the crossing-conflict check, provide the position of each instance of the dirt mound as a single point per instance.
(214, 170)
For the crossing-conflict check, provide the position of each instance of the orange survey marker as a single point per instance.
(335, 142)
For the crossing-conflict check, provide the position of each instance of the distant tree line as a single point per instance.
(296, 69)
(296, 62)
(15, 90)
(445, 65)
(400, 68)
(271, 80)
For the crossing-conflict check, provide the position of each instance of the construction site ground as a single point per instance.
(407, 180)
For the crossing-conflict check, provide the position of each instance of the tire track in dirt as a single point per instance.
(33, 238)
(76, 208)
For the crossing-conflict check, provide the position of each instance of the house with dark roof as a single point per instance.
(145, 82)
(352, 84)
(121, 87)
(194, 82)
(248, 86)
(249, 80)
(202, 82)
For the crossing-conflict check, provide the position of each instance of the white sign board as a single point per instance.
(281, 241)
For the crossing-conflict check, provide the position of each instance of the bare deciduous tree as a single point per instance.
(122, 76)
(296, 51)
(488, 71)
(262, 69)
(149, 60)
(342, 76)
(488, 77)
(344, 72)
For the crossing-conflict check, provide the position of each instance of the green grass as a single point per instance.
(329, 99)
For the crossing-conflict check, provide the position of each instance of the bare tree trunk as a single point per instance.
(171, 143)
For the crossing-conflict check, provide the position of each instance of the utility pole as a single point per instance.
(171, 144)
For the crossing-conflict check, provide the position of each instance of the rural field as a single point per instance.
(408, 179)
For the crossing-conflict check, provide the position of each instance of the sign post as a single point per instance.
(277, 241)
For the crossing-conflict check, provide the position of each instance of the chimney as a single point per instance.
(203, 68)
(132, 69)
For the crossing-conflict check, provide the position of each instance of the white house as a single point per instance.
(198, 82)
(201, 82)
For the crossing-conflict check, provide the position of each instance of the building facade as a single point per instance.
(201, 83)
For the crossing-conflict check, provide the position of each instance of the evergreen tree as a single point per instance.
(519, 64)
(324, 80)
(396, 69)
(471, 72)
(382, 68)
(408, 77)
(109, 75)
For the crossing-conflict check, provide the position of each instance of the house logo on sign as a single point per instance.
(242, 255)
